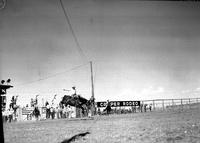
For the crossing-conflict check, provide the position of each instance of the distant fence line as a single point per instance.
(157, 104)
(163, 104)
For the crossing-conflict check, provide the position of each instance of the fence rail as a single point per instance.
(156, 105)
(164, 104)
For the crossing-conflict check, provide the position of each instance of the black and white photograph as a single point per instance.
(100, 71)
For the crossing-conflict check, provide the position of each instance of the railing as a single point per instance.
(156, 105)
(171, 104)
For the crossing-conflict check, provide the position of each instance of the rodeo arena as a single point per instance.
(99, 71)
(74, 111)
(70, 106)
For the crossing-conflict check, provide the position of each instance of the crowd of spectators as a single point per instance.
(9, 115)
(58, 112)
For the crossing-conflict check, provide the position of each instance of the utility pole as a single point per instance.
(3, 88)
(92, 82)
(92, 85)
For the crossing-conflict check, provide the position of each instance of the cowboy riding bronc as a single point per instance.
(74, 95)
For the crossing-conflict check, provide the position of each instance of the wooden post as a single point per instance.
(92, 85)
(1, 119)
(173, 104)
(154, 105)
(189, 102)
(182, 104)
(163, 104)
(3, 89)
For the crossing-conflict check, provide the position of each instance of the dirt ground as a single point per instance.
(151, 127)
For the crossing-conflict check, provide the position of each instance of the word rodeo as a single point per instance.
(119, 103)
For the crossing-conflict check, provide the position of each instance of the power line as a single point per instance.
(73, 33)
(53, 75)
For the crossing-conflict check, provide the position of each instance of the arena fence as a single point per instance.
(172, 104)
(149, 105)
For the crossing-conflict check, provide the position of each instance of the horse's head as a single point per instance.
(82, 99)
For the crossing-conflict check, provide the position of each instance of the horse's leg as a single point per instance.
(82, 110)
(87, 110)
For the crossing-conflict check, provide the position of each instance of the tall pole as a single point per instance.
(92, 82)
(92, 85)
(3, 89)
(1, 118)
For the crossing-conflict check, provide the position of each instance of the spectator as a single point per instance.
(108, 107)
(141, 107)
(60, 109)
(57, 113)
(134, 109)
(145, 107)
(150, 107)
(47, 110)
(69, 110)
(52, 112)
(32, 102)
(36, 113)
(10, 114)
(99, 111)
(65, 114)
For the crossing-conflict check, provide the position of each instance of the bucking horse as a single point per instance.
(78, 102)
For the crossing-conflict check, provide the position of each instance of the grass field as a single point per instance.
(151, 127)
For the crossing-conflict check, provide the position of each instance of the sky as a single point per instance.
(140, 49)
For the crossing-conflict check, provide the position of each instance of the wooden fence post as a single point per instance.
(154, 105)
(173, 104)
(163, 105)
(142, 107)
(189, 102)
(182, 104)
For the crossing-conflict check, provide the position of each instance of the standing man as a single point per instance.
(36, 100)
(32, 102)
(36, 112)
(108, 107)
(69, 110)
(52, 112)
(47, 110)
(10, 114)
(13, 102)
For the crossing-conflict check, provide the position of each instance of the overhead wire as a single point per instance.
(53, 75)
(72, 31)
(77, 44)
